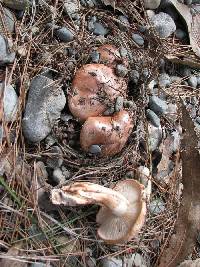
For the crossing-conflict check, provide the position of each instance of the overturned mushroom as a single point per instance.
(93, 88)
(123, 210)
(109, 132)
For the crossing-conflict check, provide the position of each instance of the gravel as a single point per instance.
(5, 56)
(10, 102)
(54, 159)
(95, 56)
(123, 23)
(128, 104)
(121, 70)
(192, 81)
(138, 39)
(72, 8)
(99, 29)
(180, 34)
(64, 34)
(119, 103)
(157, 206)
(164, 80)
(154, 119)
(58, 176)
(164, 24)
(44, 105)
(111, 262)
(154, 137)
(134, 76)
(157, 105)
(95, 149)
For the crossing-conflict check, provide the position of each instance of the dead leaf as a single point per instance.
(187, 223)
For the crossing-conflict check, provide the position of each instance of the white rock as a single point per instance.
(151, 4)
(164, 24)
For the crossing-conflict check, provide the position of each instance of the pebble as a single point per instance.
(130, 174)
(5, 56)
(138, 39)
(180, 34)
(50, 140)
(71, 8)
(10, 102)
(9, 20)
(154, 119)
(40, 264)
(121, 70)
(157, 206)
(157, 105)
(185, 71)
(128, 104)
(136, 260)
(151, 4)
(42, 109)
(16, 4)
(95, 149)
(123, 52)
(99, 29)
(65, 172)
(123, 23)
(172, 112)
(164, 24)
(192, 81)
(188, 2)
(54, 159)
(142, 28)
(198, 80)
(119, 103)
(58, 176)
(134, 76)
(90, 3)
(154, 137)
(95, 56)
(150, 13)
(109, 111)
(111, 262)
(64, 34)
(164, 80)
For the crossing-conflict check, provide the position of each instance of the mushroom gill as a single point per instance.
(94, 87)
(122, 212)
(111, 133)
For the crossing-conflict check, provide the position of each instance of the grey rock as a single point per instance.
(90, 25)
(50, 140)
(91, 3)
(188, 2)
(195, 8)
(109, 111)
(10, 102)
(172, 112)
(164, 80)
(150, 13)
(72, 8)
(44, 105)
(130, 174)
(157, 206)
(198, 80)
(52, 26)
(5, 56)
(128, 104)
(121, 70)
(123, 52)
(123, 23)
(40, 264)
(9, 20)
(164, 24)
(198, 120)
(180, 34)
(99, 29)
(142, 28)
(58, 176)
(134, 76)
(66, 172)
(192, 110)
(145, 73)
(54, 159)
(119, 103)
(138, 39)
(64, 34)
(111, 262)
(192, 81)
(17, 4)
(95, 56)
(91, 262)
(136, 260)
(154, 137)
(157, 105)
(95, 149)
(185, 71)
(151, 4)
(154, 119)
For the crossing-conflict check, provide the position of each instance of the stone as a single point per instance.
(50, 140)
(138, 39)
(54, 158)
(142, 28)
(9, 20)
(164, 80)
(40, 264)
(164, 24)
(10, 102)
(64, 34)
(136, 260)
(154, 137)
(119, 103)
(99, 29)
(44, 105)
(180, 34)
(151, 4)
(154, 119)
(123, 23)
(95, 149)
(188, 2)
(198, 80)
(91, 3)
(111, 262)
(172, 112)
(157, 206)
(6, 57)
(123, 52)
(150, 13)
(158, 105)
(190, 263)
(16, 4)
(66, 172)
(58, 176)
(134, 76)
(71, 8)
(192, 81)
(109, 111)
(121, 70)
(95, 56)
(128, 104)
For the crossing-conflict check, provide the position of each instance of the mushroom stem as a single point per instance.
(88, 193)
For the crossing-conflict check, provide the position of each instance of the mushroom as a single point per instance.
(111, 133)
(93, 88)
(109, 54)
(123, 208)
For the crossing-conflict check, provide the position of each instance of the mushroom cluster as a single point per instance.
(95, 88)
(122, 212)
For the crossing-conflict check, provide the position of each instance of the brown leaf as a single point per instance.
(182, 242)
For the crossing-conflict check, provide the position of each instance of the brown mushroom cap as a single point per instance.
(109, 132)
(93, 87)
(123, 209)
(117, 229)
